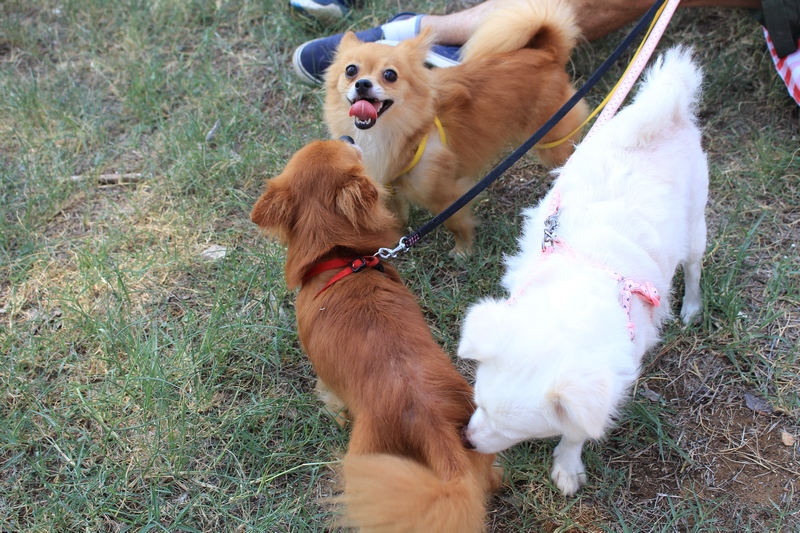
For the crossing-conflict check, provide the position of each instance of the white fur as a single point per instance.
(558, 358)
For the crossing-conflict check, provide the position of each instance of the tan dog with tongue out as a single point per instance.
(428, 135)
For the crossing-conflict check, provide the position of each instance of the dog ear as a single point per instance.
(348, 39)
(585, 401)
(357, 200)
(420, 45)
(274, 210)
(483, 333)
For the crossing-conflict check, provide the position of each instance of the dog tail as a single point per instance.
(541, 24)
(386, 493)
(668, 94)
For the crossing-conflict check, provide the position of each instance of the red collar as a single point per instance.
(351, 266)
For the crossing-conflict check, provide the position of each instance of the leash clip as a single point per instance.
(550, 227)
(386, 253)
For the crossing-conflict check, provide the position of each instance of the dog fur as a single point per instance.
(511, 80)
(376, 360)
(557, 358)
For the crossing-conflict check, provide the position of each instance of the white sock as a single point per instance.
(400, 30)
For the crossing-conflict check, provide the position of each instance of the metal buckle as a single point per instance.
(358, 264)
(550, 227)
(386, 253)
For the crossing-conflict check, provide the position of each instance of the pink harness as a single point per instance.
(646, 291)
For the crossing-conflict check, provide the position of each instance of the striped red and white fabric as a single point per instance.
(788, 69)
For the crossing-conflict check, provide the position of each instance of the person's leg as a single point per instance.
(596, 18)
(781, 19)
(313, 57)
(455, 28)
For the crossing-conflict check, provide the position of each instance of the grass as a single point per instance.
(143, 388)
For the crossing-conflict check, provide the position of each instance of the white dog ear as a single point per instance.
(585, 401)
(483, 334)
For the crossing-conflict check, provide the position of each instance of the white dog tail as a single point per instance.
(387, 493)
(669, 94)
(542, 24)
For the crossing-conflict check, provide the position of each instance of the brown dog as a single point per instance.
(511, 80)
(406, 468)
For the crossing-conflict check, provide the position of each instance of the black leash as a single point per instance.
(410, 240)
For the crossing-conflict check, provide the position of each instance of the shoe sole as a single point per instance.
(329, 13)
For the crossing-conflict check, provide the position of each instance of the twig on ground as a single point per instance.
(110, 179)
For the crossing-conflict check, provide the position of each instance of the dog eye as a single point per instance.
(390, 75)
(351, 71)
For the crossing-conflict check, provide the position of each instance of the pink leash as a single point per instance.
(636, 68)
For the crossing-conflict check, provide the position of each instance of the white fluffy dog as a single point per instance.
(560, 355)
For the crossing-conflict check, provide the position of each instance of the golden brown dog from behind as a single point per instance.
(405, 468)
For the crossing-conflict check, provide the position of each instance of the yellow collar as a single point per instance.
(421, 147)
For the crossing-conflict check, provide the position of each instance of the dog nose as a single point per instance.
(347, 139)
(465, 439)
(363, 85)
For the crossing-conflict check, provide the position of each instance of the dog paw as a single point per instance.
(568, 480)
(460, 253)
(341, 418)
(333, 405)
(498, 478)
(691, 313)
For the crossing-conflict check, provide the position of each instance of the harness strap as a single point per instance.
(351, 266)
(423, 143)
(646, 291)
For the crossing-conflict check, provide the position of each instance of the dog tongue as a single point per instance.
(364, 110)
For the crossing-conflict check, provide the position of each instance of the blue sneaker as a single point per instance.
(323, 10)
(311, 58)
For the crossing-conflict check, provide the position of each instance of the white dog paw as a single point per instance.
(568, 480)
(691, 312)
